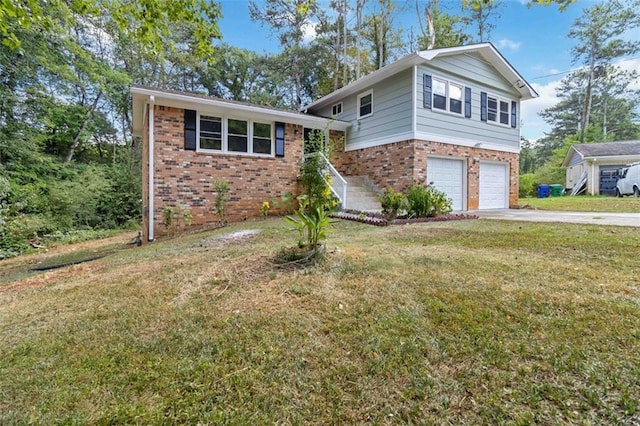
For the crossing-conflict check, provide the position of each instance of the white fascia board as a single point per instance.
(186, 101)
(493, 56)
(138, 111)
(613, 159)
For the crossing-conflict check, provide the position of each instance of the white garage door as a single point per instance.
(494, 193)
(448, 176)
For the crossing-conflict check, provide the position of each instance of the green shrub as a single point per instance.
(222, 188)
(527, 185)
(120, 202)
(392, 203)
(427, 201)
(19, 230)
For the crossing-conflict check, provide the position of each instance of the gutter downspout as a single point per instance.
(593, 176)
(151, 104)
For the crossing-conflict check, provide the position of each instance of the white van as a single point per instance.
(629, 181)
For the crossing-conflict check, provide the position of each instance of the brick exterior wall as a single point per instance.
(400, 164)
(186, 178)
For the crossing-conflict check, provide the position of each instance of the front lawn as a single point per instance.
(584, 203)
(461, 322)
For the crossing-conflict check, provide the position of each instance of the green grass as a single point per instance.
(468, 322)
(584, 203)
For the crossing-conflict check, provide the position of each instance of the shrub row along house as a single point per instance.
(446, 116)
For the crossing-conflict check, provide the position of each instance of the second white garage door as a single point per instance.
(494, 192)
(448, 176)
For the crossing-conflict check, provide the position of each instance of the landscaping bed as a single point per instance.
(378, 219)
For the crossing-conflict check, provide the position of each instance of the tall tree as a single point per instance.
(290, 19)
(599, 33)
(440, 29)
(482, 15)
(384, 40)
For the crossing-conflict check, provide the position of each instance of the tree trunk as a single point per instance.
(359, 6)
(344, 44)
(586, 112)
(431, 29)
(76, 139)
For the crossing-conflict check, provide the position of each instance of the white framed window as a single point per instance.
(237, 135)
(447, 96)
(210, 133)
(365, 104)
(336, 109)
(233, 135)
(498, 110)
(262, 141)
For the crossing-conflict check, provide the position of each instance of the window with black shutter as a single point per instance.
(279, 139)
(190, 129)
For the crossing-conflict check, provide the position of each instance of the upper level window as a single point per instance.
(455, 98)
(234, 135)
(336, 109)
(447, 96)
(365, 104)
(498, 110)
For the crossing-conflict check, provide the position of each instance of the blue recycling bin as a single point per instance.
(543, 191)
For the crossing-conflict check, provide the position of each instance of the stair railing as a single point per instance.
(337, 183)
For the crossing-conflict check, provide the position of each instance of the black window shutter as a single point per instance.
(483, 106)
(427, 91)
(514, 122)
(190, 129)
(279, 139)
(467, 102)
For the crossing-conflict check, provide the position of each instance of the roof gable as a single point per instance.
(487, 51)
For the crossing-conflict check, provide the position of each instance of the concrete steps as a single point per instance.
(361, 194)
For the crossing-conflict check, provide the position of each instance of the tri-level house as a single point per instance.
(448, 117)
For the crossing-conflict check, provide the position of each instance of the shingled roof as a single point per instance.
(608, 149)
(622, 151)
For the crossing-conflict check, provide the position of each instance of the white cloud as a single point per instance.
(309, 31)
(505, 44)
(533, 126)
(632, 64)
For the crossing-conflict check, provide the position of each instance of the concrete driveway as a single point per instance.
(527, 215)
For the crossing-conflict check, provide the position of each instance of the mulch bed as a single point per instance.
(377, 219)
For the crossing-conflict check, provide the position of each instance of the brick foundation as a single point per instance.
(400, 164)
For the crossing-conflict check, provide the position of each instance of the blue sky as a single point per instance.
(534, 40)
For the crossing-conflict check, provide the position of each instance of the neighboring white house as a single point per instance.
(599, 164)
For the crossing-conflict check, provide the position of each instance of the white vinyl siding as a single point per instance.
(474, 72)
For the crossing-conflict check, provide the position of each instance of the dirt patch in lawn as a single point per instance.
(18, 272)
